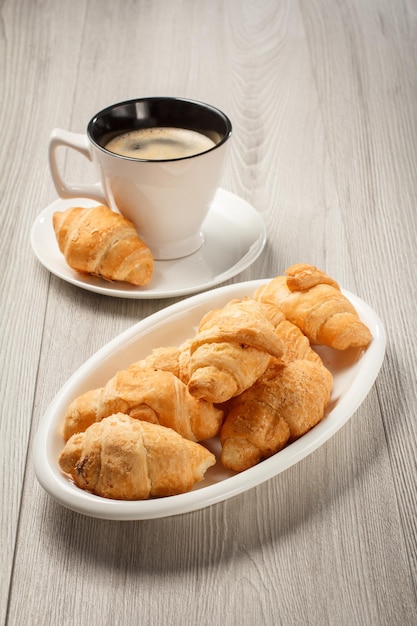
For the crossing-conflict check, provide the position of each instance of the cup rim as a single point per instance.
(199, 103)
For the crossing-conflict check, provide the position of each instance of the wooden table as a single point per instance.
(322, 95)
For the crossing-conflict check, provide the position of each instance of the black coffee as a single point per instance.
(159, 143)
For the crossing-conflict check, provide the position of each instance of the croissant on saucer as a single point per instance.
(126, 459)
(147, 394)
(312, 300)
(231, 349)
(100, 242)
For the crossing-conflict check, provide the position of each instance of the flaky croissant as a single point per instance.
(283, 404)
(231, 349)
(164, 358)
(100, 242)
(146, 394)
(295, 345)
(280, 407)
(126, 459)
(173, 359)
(312, 300)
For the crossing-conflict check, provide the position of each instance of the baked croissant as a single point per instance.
(126, 459)
(100, 242)
(164, 358)
(231, 349)
(173, 359)
(295, 344)
(146, 394)
(280, 407)
(313, 301)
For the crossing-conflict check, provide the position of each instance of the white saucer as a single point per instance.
(234, 236)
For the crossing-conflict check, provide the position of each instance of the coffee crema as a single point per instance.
(160, 143)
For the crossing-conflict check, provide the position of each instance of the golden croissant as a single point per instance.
(295, 345)
(126, 459)
(173, 359)
(100, 242)
(231, 349)
(164, 358)
(147, 394)
(279, 408)
(312, 300)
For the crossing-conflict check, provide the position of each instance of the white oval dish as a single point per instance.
(354, 374)
(234, 237)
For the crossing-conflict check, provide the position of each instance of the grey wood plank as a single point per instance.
(32, 90)
(374, 168)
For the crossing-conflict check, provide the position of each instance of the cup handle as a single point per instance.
(64, 138)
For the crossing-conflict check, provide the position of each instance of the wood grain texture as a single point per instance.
(322, 98)
(375, 170)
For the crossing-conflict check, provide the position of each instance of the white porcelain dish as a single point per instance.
(354, 374)
(234, 237)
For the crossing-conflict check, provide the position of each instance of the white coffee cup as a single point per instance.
(167, 199)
